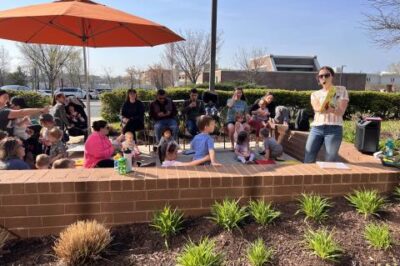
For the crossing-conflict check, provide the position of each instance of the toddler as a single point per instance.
(272, 148)
(64, 164)
(172, 154)
(42, 161)
(129, 144)
(242, 148)
(57, 148)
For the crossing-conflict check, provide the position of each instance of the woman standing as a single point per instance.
(236, 105)
(98, 148)
(132, 113)
(329, 104)
(12, 153)
(59, 112)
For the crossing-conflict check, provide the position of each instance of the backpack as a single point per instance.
(302, 122)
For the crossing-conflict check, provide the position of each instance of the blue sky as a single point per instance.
(332, 30)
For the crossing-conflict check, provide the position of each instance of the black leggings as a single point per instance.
(107, 163)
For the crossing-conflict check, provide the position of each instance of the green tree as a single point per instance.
(18, 77)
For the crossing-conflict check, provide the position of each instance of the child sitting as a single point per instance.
(259, 119)
(203, 143)
(242, 148)
(239, 126)
(47, 123)
(172, 154)
(129, 144)
(166, 138)
(64, 164)
(42, 161)
(20, 125)
(273, 149)
(57, 148)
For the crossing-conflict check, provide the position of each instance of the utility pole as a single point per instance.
(341, 73)
(213, 44)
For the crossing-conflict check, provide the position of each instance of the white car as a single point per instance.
(45, 92)
(15, 88)
(70, 91)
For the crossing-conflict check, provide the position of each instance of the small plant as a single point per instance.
(202, 254)
(258, 254)
(228, 214)
(367, 202)
(378, 236)
(81, 242)
(314, 207)
(168, 222)
(397, 193)
(3, 238)
(263, 212)
(322, 244)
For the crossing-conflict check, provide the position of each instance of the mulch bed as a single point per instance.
(138, 244)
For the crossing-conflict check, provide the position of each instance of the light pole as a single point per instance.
(213, 44)
(341, 73)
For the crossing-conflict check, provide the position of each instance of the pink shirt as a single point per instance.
(97, 147)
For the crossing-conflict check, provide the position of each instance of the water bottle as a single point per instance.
(116, 158)
(389, 147)
(122, 166)
(128, 156)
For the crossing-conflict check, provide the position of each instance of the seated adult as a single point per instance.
(132, 113)
(237, 107)
(163, 112)
(77, 121)
(98, 148)
(193, 109)
(6, 114)
(12, 153)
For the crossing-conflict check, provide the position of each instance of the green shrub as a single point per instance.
(202, 254)
(380, 104)
(258, 254)
(378, 236)
(32, 98)
(396, 193)
(228, 214)
(314, 207)
(82, 242)
(323, 245)
(263, 212)
(168, 222)
(367, 202)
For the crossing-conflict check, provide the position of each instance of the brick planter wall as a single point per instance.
(41, 202)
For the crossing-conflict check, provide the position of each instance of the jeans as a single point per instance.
(161, 124)
(191, 126)
(330, 135)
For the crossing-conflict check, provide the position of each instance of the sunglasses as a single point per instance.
(327, 75)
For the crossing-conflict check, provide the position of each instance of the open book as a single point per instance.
(330, 100)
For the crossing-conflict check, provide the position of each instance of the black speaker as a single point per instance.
(368, 133)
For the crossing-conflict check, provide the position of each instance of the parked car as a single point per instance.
(93, 94)
(15, 88)
(70, 91)
(45, 92)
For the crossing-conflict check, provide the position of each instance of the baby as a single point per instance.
(242, 148)
(64, 164)
(129, 144)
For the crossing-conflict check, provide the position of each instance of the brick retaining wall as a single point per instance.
(41, 202)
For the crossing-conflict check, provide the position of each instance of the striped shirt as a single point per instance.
(324, 118)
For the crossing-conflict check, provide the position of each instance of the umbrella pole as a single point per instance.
(87, 90)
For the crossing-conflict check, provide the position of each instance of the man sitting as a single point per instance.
(163, 112)
(193, 109)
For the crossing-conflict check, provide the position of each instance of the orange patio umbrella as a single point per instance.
(81, 23)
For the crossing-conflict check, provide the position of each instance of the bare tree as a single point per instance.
(168, 60)
(132, 76)
(250, 61)
(384, 22)
(50, 59)
(109, 77)
(159, 76)
(74, 69)
(192, 55)
(4, 65)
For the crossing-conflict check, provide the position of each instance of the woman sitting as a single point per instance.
(12, 153)
(98, 148)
